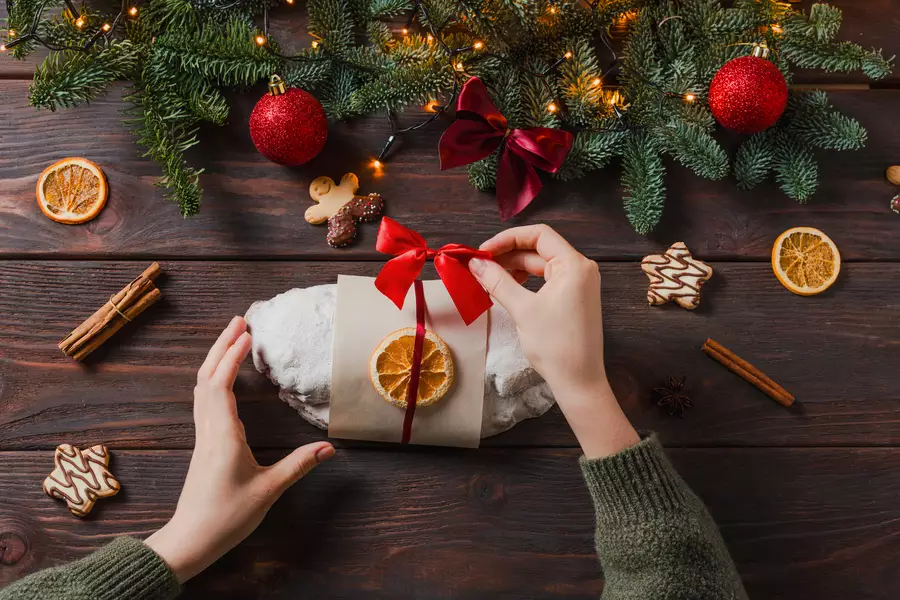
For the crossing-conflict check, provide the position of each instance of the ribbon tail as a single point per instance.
(517, 184)
(467, 294)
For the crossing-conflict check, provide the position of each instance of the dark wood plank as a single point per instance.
(866, 22)
(835, 352)
(800, 523)
(254, 208)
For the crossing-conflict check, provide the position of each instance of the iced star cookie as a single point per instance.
(675, 276)
(80, 477)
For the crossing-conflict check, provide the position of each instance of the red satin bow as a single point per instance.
(480, 129)
(451, 261)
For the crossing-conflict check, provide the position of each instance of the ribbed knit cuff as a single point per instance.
(637, 484)
(126, 569)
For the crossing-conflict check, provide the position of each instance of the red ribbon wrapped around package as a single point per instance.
(451, 261)
(401, 272)
(480, 129)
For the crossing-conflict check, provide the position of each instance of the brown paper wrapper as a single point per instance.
(363, 317)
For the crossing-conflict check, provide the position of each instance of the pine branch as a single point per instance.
(642, 178)
(483, 174)
(222, 52)
(167, 134)
(71, 78)
(591, 151)
(754, 161)
(796, 170)
(695, 149)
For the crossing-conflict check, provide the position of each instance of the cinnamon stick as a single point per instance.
(742, 368)
(130, 301)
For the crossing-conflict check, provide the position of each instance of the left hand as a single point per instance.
(226, 493)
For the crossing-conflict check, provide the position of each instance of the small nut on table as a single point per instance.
(893, 174)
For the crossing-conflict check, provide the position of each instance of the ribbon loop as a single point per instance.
(480, 129)
(451, 262)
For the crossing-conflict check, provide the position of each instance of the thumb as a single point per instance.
(296, 465)
(500, 284)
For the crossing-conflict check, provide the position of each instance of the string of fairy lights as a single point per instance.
(457, 58)
(78, 19)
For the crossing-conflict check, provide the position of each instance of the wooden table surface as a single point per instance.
(807, 498)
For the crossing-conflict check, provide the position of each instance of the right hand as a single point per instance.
(560, 328)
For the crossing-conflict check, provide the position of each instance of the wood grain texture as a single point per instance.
(254, 208)
(800, 523)
(866, 22)
(836, 352)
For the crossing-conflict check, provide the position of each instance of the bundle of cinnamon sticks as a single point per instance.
(122, 308)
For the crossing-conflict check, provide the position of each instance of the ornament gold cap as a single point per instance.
(276, 86)
(761, 50)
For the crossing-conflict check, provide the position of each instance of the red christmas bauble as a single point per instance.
(748, 94)
(288, 125)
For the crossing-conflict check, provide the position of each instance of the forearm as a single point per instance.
(655, 539)
(596, 418)
(125, 569)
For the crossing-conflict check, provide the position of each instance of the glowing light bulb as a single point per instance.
(377, 164)
(689, 97)
(553, 10)
(568, 54)
(430, 38)
(260, 40)
(11, 33)
(776, 29)
(2, 47)
(315, 43)
(597, 81)
(133, 11)
(552, 108)
(478, 45)
(289, 1)
(80, 22)
(432, 106)
(106, 27)
(459, 66)
(404, 31)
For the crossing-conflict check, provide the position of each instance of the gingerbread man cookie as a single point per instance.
(675, 276)
(80, 477)
(341, 207)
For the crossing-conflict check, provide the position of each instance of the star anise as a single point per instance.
(672, 396)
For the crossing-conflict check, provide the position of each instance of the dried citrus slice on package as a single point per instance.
(391, 366)
(805, 260)
(72, 191)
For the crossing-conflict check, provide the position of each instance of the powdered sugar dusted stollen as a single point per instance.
(292, 338)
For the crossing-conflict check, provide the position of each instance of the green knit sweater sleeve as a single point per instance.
(655, 539)
(125, 569)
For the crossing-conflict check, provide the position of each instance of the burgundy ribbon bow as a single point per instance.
(451, 261)
(480, 129)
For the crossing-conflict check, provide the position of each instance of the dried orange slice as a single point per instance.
(805, 260)
(391, 365)
(72, 191)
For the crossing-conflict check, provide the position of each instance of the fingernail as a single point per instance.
(477, 266)
(234, 320)
(324, 453)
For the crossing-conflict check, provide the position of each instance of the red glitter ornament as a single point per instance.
(895, 204)
(288, 126)
(749, 93)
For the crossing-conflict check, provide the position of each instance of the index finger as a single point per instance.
(540, 238)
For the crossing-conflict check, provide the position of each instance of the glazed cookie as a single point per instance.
(80, 477)
(341, 207)
(675, 276)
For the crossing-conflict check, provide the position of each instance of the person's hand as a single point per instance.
(226, 493)
(560, 328)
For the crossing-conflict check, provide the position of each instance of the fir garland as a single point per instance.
(545, 63)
